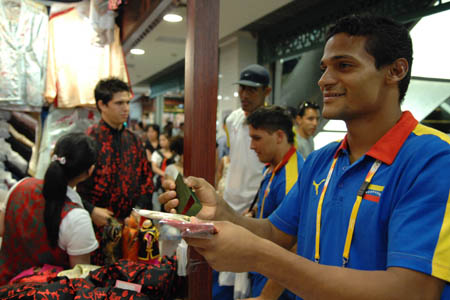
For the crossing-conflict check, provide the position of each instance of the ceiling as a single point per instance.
(165, 44)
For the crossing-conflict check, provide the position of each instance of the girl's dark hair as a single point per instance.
(177, 144)
(73, 155)
(155, 128)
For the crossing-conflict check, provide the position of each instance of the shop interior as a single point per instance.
(50, 64)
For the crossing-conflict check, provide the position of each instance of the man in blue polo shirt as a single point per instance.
(272, 139)
(373, 217)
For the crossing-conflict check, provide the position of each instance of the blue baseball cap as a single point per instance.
(254, 76)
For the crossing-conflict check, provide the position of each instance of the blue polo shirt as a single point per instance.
(284, 184)
(404, 217)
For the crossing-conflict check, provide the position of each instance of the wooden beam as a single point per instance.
(201, 80)
(139, 18)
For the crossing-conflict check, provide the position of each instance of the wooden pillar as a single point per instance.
(201, 80)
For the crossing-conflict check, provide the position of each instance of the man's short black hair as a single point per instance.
(271, 119)
(106, 88)
(387, 40)
(304, 106)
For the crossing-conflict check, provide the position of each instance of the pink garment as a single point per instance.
(36, 274)
(114, 4)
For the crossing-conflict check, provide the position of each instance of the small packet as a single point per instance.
(191, 230)
(159, 215)
(189, 203)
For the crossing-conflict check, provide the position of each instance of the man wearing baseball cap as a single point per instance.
(245, 170)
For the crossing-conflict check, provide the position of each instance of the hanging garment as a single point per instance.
(12, 159)
(23, 40)
(24, 123)
(58, 123)
(76, 63)
(103, 22)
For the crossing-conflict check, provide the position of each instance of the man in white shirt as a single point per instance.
(245, 170)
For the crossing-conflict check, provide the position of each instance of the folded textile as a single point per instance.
(78, 271)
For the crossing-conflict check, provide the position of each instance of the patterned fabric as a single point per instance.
(158, 283)
(25, 242)
(66, 289)
(122, 177)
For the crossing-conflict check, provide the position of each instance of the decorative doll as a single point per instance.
(148, 243)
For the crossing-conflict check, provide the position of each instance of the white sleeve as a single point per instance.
(171, 171)
(76, 233)
(156, 158)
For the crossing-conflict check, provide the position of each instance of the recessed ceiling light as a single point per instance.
(137, 51)
(172, 18)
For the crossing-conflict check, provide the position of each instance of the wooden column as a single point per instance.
(201, 79)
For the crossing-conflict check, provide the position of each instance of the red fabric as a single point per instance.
(36, 274)
(25, 243)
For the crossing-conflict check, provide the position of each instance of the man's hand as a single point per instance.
(204, 191)
(230, 249)
(100, 216)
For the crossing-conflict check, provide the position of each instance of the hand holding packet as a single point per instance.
(183, 223)
(189, 229)
(189, 203)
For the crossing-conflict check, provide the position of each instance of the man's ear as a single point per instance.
(101, 104)
(298, 120)
(280, 135)
(397, 70)
(91, 170)
(267, 91)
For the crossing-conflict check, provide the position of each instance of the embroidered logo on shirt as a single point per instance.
(316, 185)
(373, 193)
